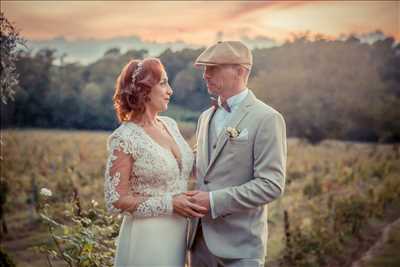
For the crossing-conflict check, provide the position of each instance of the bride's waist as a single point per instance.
(162, 220)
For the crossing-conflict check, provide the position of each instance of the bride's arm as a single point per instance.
(118, 195)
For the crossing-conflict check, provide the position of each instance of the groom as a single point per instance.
(241, 163)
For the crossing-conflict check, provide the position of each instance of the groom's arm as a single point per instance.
(270, 151)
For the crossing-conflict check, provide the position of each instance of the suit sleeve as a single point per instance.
(269, 168)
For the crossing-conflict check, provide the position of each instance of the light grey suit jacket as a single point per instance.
(244, 174)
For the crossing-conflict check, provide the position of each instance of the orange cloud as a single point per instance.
(249, 7)
(200, 22)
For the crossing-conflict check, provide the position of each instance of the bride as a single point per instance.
(147, 171)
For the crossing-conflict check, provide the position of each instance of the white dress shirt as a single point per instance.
(221, 117)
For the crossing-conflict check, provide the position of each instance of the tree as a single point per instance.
(31, 106)
(9, 40)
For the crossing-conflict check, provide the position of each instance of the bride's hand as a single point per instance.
(183, 206)
(191, 193)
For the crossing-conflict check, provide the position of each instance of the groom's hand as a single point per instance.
(201, 198)
(186, 207)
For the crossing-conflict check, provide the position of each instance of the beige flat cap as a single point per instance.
(227, 52)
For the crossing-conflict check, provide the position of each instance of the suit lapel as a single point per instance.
(240, 113)
(205, 130)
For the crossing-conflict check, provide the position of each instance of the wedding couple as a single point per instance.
(240, 166)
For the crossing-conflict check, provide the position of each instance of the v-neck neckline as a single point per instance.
(178, 161)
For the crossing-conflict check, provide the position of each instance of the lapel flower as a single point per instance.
(194, 148)
(232, 132)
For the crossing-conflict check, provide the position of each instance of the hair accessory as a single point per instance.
(136, 72)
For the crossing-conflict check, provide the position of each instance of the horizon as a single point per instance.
(77, 50)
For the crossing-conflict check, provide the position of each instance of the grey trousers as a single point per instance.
(200, 256)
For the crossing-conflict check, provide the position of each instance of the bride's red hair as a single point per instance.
(130, 96)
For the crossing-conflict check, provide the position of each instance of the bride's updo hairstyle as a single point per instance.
(133, 87)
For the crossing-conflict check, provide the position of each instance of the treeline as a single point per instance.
(325, 89)
(333, 89)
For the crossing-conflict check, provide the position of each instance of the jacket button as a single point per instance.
(206, 182)
(214, 146)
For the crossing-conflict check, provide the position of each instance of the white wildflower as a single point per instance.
(46, 192)
(94, 203)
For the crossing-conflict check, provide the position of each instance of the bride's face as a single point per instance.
(160, 95)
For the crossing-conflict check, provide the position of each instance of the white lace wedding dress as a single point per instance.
(150, 234)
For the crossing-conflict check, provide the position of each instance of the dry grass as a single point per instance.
(59, 159)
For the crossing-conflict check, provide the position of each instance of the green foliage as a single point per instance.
(186, 81)
(332, 89)
(81, 240)
(9, 41)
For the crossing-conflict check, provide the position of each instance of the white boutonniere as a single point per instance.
(232, 132)
(194, 148)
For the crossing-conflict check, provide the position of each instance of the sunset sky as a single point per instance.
(201, 21)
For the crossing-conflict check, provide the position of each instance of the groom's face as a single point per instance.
(220, 78)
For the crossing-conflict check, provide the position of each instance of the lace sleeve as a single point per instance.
(119, 197)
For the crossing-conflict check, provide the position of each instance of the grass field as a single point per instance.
(61, 160)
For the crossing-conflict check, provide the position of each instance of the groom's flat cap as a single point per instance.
(227, 52)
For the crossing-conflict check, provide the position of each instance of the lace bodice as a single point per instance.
(142, 176)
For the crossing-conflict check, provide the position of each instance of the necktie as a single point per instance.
(224, 104)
